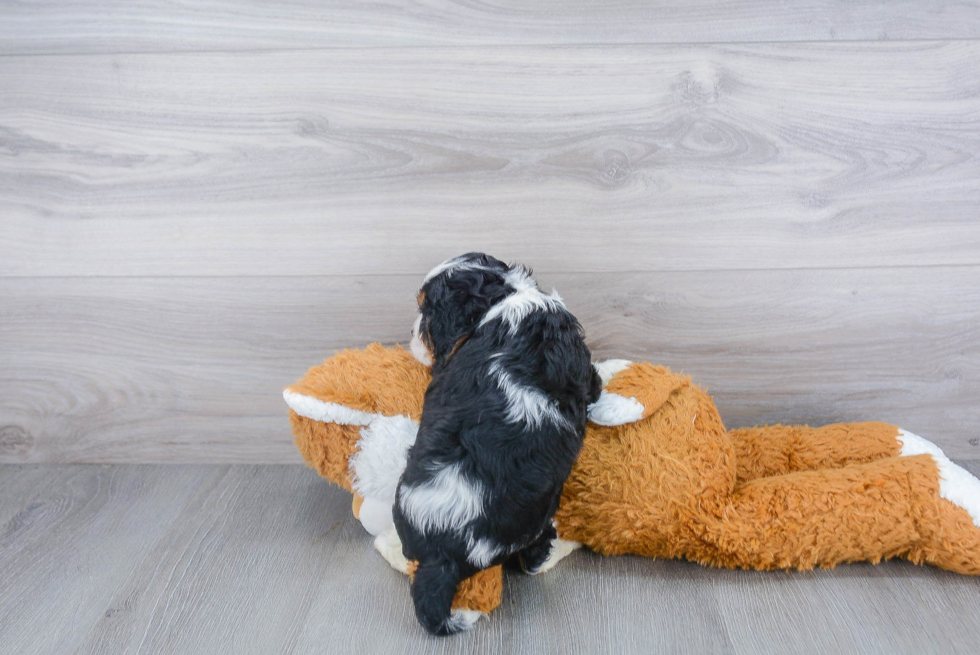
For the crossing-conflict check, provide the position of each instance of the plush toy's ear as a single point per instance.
(376, 380)
(327, 447)
(631, 392)
(356, 415)
(363, 452)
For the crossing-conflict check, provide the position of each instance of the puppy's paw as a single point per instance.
(560, 549)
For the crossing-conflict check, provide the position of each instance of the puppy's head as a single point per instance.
(453, 299)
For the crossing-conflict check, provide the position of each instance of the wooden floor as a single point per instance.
(268, 559)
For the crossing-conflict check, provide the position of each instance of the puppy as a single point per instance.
(502, 423)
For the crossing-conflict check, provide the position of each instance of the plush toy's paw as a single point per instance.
(613, 409)
(956, 484)
(390, 546)
(461, 620)
(632, 391)
(560, 549)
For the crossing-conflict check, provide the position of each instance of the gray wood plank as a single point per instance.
(75, 537)
(57, 26)
(193, 559)
(856, 608)
(184, 369)
(240, 572)
(374, 161)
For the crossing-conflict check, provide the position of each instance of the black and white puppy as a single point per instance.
(502, 423)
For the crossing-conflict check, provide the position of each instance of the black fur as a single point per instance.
(521, 467)
(452, 305)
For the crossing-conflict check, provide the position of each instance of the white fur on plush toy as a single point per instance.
(390, 546)
(318, 410)
(611, 408)
(381, 455)
(956, 484)
(610, 367)
(375, 515)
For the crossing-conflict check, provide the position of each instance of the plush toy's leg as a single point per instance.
(390, 546)
(481, 592)
(779, 449)
(871, 511)
(956, 541)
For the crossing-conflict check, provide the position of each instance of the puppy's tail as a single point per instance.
(433, 590)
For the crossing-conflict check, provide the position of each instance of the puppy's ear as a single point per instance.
(596, 388)
(455, 306)
(476, 292)
(566, 371)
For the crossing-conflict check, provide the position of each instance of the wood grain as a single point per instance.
(204, 559)
(75, 536)
(57, 26)
(188, 369)
(378, 161)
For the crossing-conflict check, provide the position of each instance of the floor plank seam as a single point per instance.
(489, 46)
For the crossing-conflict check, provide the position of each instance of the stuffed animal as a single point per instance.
(660, 476)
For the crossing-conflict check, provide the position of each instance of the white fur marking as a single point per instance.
(613, 409)
(382, 453)
(956, 484)
(609, 368)
(482, 551)
(517, 306)
(524, 403)
(560, 549)
(375, 515)
(318, 410)
(448, 501)
(463, 619)
(419, 350)
(450, 266)
(520, 279)
(390, 546)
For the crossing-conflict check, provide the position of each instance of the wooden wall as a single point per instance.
(199, 202)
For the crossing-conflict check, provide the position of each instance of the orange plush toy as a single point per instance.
(660, 476)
